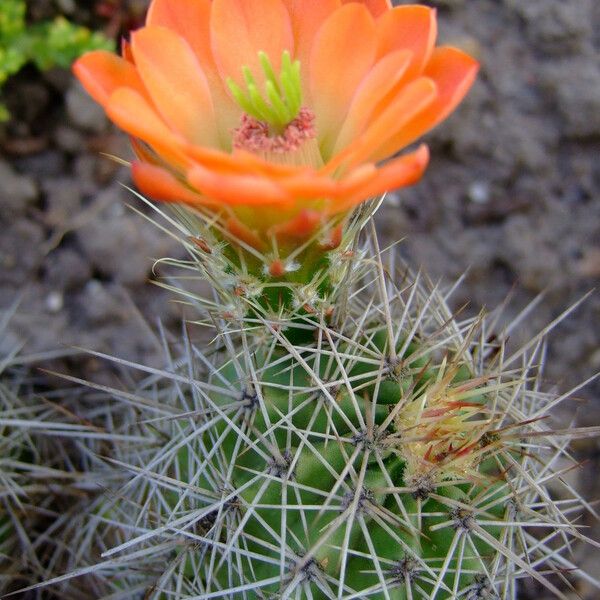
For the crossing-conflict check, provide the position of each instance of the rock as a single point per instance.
(447, 3)
(63, 201)
(99, 304)
(55, 302)
(524, 246)
(68, 139)
(37, 104)
(121, 245)
(20, 252)
(94, 170)
(556, 26)
(46, 164)
(17, 191)
(84, 112)
(84, 169)
(575, 86)
(479, 192)
(67, 269)
(60, 79)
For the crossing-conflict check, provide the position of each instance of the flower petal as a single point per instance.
(242, 28)
(234, 189)
(410, 102)
(101, 73)
(301, 226)
(191, 20)
(242, 233)
(131, 112)
(176, 83)
(410, 27)
(400, 172)
(306, 17)
(343, 53)
(320, 186)
(373, 91)
(159, 184)
(377, 7)
(454, 72)
(240, 162)
(310, 185)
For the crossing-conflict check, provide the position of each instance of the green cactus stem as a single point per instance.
(396, 454)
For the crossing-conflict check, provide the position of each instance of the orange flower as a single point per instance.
(334, 89)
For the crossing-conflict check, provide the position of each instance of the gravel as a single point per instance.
(18, 191)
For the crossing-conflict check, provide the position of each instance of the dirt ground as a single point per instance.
(512, 194)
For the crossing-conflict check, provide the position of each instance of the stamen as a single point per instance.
(282, 99)
(295, 145)
(254, 135)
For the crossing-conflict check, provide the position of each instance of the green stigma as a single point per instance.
(281, 101)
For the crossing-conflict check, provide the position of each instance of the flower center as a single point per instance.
(275, 125)
(282, 99)
(255, 136)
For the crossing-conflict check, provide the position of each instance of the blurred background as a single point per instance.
(512, 195)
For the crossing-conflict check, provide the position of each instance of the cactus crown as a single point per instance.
(280, 281)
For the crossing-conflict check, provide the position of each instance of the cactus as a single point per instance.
(343, 435)
(311, 278)
(395, 452)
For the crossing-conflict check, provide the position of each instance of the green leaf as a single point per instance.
(47, 45)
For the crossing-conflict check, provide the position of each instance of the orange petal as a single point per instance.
(400, 172)
(343, 53)
(410, 27)
(372, 92)
(414, 98)
(236, 189)
(377, 7)
(101, 73)
(162, 185)
(454, 73)
(132, 113)
(242, 28)
(320, 185)
(240, 162)
(253, 162)
(307, 16)
(302, 226)
(310, 185)
(244, 234)
(357, 179)
(191, 20)
(176, 82)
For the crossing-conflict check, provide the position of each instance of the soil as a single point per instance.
(512, 195)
